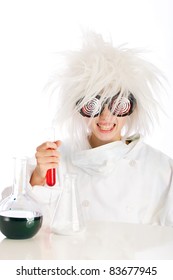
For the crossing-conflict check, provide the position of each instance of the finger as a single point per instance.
(47, 153)
(49, 160)
(47, 145)
(58, 143)
(48, 165)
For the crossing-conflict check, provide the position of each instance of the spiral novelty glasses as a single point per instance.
(121, 108)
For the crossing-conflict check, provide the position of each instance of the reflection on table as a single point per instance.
(101, 240)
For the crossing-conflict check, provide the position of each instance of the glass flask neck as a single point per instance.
(20, 216)
(19, 181)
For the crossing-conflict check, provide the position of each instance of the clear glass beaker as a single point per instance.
(68, 217)
(20, 216)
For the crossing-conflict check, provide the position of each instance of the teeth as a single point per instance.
(105, 127)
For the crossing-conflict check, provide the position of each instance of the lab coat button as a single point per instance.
(132, 162)
(85, 203)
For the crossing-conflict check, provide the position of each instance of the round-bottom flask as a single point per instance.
(20, 216)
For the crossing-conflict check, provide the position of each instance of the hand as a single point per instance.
(47, 157)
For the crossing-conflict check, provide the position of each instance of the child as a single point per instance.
(106, 105)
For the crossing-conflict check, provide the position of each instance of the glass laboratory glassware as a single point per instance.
(20, 216)
(68, 217)
(51, 173)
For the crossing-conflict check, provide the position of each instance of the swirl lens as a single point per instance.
(91, 108)
(122, 108)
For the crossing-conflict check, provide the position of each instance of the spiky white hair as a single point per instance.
(100, 67)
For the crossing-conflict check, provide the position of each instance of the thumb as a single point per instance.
(58, 143)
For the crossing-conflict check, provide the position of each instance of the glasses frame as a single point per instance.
(110, 102)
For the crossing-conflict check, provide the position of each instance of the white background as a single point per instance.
(32, 31)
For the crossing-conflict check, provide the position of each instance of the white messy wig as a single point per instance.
(100, 67)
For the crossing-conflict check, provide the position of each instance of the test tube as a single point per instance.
(51, 173)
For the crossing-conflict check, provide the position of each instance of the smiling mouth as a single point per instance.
(106, 128)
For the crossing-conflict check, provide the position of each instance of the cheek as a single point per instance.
(122, 121)
(91, 123)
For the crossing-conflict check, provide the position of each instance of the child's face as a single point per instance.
(106, 128)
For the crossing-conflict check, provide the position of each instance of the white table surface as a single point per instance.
(100, 241)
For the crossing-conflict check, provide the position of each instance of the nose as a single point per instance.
(105, 114)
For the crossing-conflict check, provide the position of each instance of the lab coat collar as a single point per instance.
(103, 159)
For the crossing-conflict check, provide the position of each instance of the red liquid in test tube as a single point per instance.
(51, 177)
(51, 173)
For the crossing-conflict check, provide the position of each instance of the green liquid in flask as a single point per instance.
(20, 224)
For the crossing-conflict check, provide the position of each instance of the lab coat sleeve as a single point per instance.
(166, 217)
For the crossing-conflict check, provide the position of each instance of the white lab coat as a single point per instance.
(118, 182)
